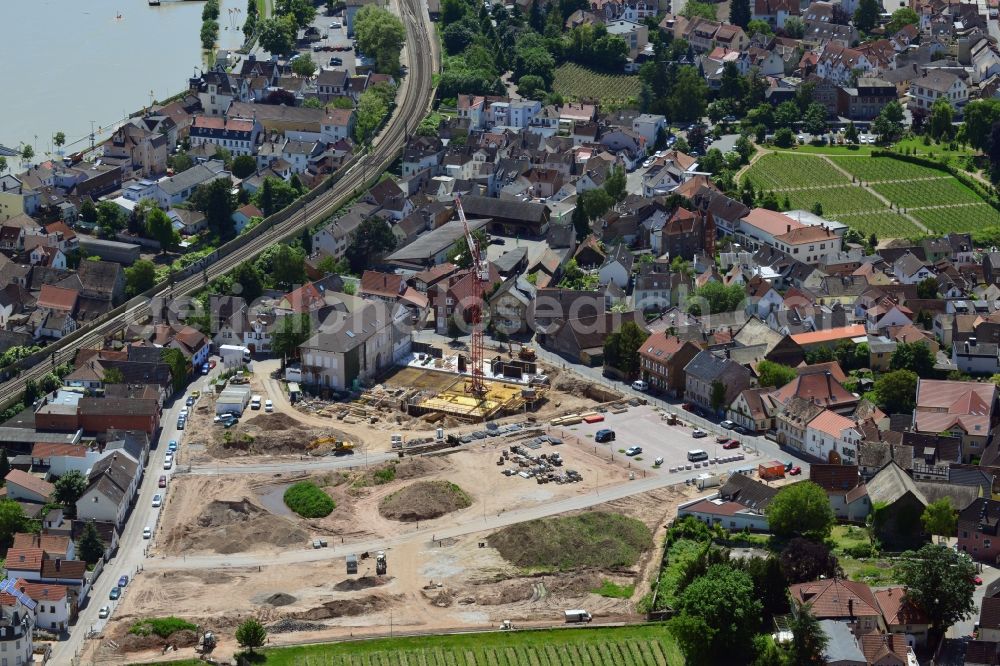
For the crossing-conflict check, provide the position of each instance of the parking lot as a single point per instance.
(646, 427)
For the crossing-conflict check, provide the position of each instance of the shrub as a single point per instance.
(308, 500)
(161, 626)
(860, 550)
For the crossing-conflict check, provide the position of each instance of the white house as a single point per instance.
(648, 125)
(112, 486)
(830, 436)
(237, 135)
(974, 357)
(938, 84)
(617, 267)
(908, 269)
(52, 607)
(885, 314)
(28, 487)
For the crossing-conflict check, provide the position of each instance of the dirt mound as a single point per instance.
(183, 638)
(346, 608)
(274, 421)
(424, 500)
(235, 526)
(280, 599)
(289, 625)
(363, 583)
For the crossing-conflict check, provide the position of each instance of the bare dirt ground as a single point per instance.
(244, 513)
(430, 586)
(289, 430)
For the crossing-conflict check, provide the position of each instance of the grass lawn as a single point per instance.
(934, 149)
(639, 645)
(848, 536)
(828, 150)
(575, 82)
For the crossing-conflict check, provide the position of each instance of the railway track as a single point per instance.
(412, 103)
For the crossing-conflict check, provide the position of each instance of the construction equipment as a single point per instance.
(526, 353)
(481, 276)
(381, 566)
(339, 446)
(352, 564)
(206, 643)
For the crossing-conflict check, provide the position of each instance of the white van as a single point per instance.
(640, 385)
(578, 616)
(697, 455)
(255, 402)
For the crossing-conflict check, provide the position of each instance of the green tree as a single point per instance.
(927, 288)
(31, 392)
(329, 265)
(774, 374)
(244, 166)
(274, 195)
(161, 228)
(802, 508)
(372, 109)
(939, 581)
(866, 15)
(216, 201)
(916, 357)
(302, 11)
(90, 547)
(250, 281)
(113, 376)
(3, 167)
(139, 277)
(209, 33)
(759, 25)
(795, 27)
(895, 391)
(371, 239)
(688, 100)
(290, 332)
(288, 266)
(621, 348)
(179, 369)
(739, 13)
(980, 115)
(304, 66)
(69, 488)
(888, 126)
(110, 218)
(784, 138)
(460, 255)
(942, 115)
(59, 138)
(724, 600)
(814, 121)
(380, 34)
(251, 634)
(277, 34)
(808, 639)
(614, 185)
(851, 134)
(718, 396)
(210, 11)
(717, 296)
(27, 152)
(804, 560)
(940, 518)
(901, 18)
(695, 9)
(531, 86)
(12, 521)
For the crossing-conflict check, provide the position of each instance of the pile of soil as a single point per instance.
(273, 421)
(346, 608)
(289, 625)
(180, 639)
(280, 599)
(363, 583)
(424, 500)
(232, 527)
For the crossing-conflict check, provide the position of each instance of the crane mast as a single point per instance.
(480, 275)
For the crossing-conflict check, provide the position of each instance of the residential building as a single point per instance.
(112, 485)
(841, 600)
(832, 437)
(847, 492)
(938, 84)
(978, 533)
(237, 135)
(662, 359)
(904, 617)
(26, 487)
(705, 372)
(961, 409)
(739, 505)
(901, 505)
(754, 409)
(617, 267)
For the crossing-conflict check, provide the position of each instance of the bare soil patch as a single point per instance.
(362, 583)
(229, 526)
(424, 500)
(346, 608)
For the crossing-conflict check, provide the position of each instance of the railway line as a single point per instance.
(413, 101)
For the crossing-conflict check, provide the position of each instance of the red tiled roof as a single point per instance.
(54, 545)
(897, 609)
(660, 347)
(771, 222)
(30, 482)
(46, 450)
(716, 509)
(24, 559)
(833, 597)
(943, 404)
(250, 211)
(831, 423)
(65, 569)
(57, 298)
(829, 334)
(387, 285)
(877, 647)
(42, 591)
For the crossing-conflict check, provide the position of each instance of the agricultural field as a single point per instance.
(958, 218)
(645, 645)
(835, 200)
(883, 223)
(931, 197)
(779, 171)
(927, 193)
(876, 169)
(575, 82)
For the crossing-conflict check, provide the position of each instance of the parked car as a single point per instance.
(181, 423)
(116, 593)
(147, 532)
(336, 62)
(172, 445)
(122, 580)
(335, 25)
(157, 500)
(639, 385)
(268, 406)
(104, 612)
(633, 450)
(190, 401)
(604, 435)
(795, 471)
(168, 463)
(163, 481)
(698, 433)
(727, 424)
(731, 444)
(205, 368)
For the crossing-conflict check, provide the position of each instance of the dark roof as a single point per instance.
(503, 209)
(744, 490)
(116, 406)
(708, 367)
(835, 478)
(621, 254)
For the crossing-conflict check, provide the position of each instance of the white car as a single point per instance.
(104, 612)
(147, 532)
(335, 25)
(168, 463)
(640, 385)
(268, 406)
(157, 501)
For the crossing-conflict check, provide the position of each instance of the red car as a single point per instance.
(211, 364)
(731, 444)
(978, 580)
(795, 471)
(163, 481)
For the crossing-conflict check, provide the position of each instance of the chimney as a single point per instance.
(58, 564)
(850, 607)
(788, 227)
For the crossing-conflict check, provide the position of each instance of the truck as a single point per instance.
(578, 616)
(234, 355)
(381, 565)
(708, 481)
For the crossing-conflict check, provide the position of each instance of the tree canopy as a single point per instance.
(372, 238)
(895, 391)
(801, 509)
(940, 518)
(725, 602)
(380, 34)
(717, 296)
(774, 374)
(621, 348)
(939, 580)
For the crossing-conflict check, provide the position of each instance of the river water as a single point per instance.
(70, 62)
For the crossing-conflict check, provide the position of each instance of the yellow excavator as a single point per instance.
(339, 446)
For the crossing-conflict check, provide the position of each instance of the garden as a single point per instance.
(575, 82)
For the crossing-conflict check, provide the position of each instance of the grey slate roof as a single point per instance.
(841, 645)
(196, 175)
(891, 483)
